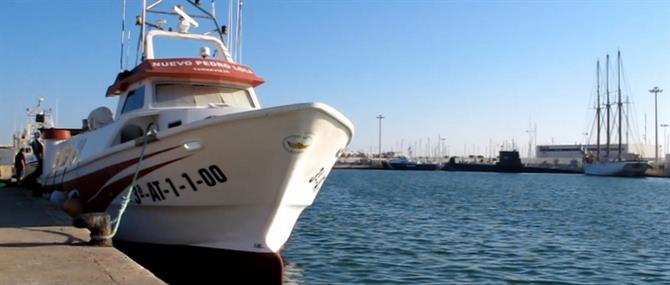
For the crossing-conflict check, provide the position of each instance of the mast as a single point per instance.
(238, 34)
(123, 33)
(608, 105)
(628, 119)
(143, 30)
(229, 35)
(619, 103)
(598, 110)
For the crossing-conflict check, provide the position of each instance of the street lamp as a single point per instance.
(656, 90)
(665, 136)
(380, 117)
(442, 147)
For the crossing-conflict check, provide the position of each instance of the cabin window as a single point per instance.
(194, 95)
(6, 156)
(134, 100)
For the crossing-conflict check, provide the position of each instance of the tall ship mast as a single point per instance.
(608, 106)
(608, 166)
(598, 110)
(619, 103)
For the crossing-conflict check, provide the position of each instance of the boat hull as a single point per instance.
(414, 166)
(196, 265)
(473, 167)
(237, 182)
(617, 168)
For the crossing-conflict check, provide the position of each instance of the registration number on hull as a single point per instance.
(174, 187)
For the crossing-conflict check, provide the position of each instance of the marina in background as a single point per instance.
(212, 186)
(547, 159)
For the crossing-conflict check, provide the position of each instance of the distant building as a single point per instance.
(567, 153)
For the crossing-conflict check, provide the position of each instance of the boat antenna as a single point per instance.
(238, 34)
(140, 20)
(229, 36)
(211, 15)
(123, 33)
(214, 10)
(55, 118)
(14, 122)
(529, 131)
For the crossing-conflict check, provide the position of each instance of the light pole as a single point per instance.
(656, 90)
(442, 148)
(380, 117)
(665, 136)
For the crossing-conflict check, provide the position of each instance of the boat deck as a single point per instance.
(38, 245)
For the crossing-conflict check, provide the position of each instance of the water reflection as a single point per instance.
(294, 274)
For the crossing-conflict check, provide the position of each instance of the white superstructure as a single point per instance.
(218, 170)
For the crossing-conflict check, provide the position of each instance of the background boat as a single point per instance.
(602, 162)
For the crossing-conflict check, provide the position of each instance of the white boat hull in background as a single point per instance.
(617, 168)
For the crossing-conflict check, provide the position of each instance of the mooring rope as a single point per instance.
(125, 199)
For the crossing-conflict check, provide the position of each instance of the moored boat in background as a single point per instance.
(404, 163)
(29, 141)
(599, 164)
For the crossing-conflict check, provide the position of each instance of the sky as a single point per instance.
(476, 73)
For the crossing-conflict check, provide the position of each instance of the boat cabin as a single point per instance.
(163, 94)
(160, 94)
(183, 90)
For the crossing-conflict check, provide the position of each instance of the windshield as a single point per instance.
(195, 95)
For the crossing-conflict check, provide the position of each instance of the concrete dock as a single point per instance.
(38, 245)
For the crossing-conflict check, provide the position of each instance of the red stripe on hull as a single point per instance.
(89, 184)
(107, 194)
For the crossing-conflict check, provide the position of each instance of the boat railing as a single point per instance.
(150, 28)
(221, 50)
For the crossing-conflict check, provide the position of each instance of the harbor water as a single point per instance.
(411, 227)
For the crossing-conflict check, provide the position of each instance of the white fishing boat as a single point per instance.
(214, 169)
(603, 162)
(28, 139)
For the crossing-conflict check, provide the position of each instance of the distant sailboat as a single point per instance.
(606, 165)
